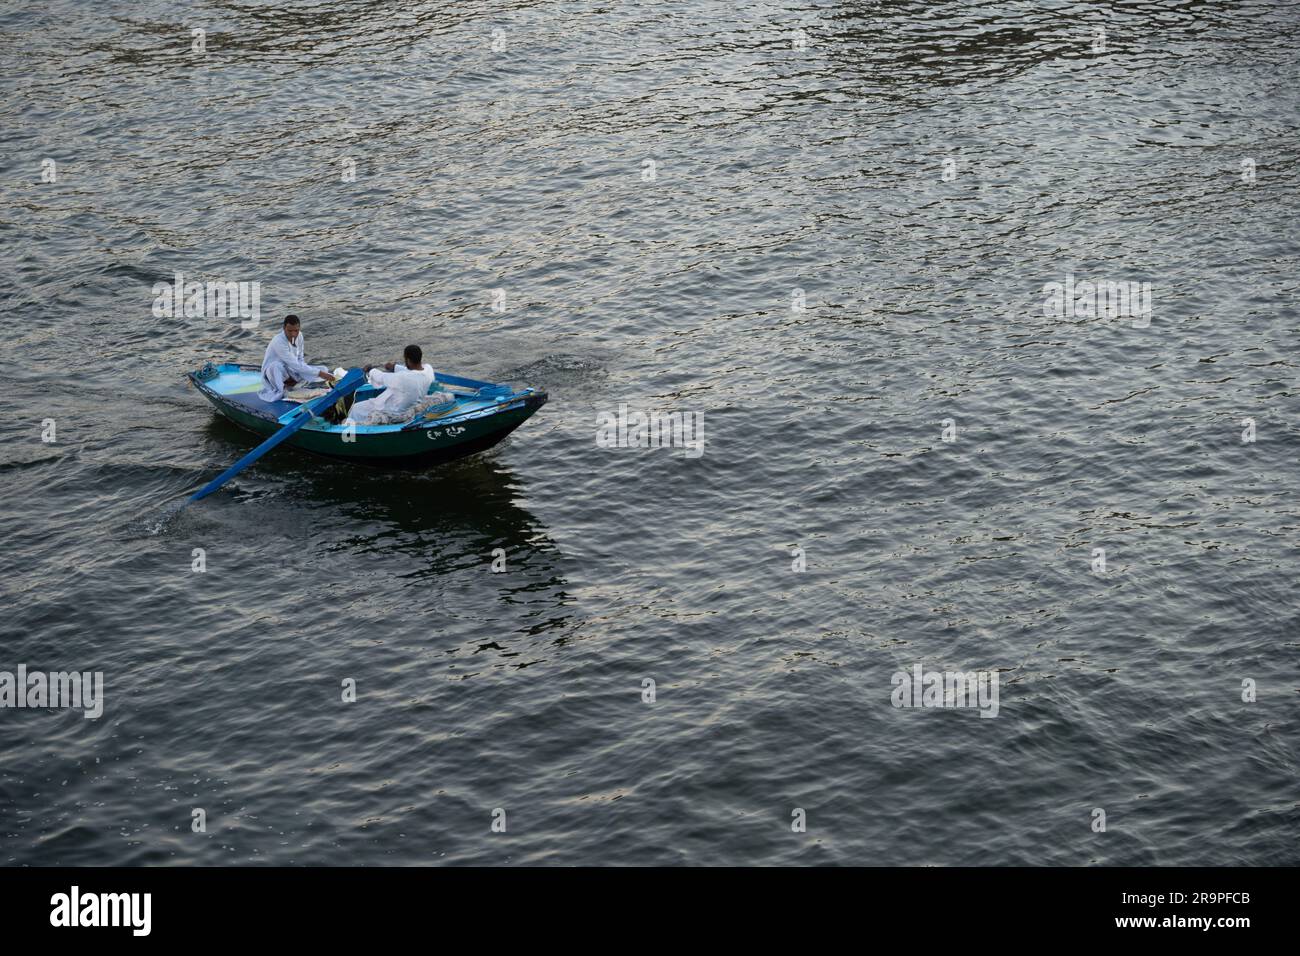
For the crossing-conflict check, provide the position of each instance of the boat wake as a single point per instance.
(553, 371)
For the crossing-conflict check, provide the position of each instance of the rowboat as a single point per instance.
(481, 414)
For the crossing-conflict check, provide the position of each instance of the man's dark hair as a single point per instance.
(413, 355)
(291, 320)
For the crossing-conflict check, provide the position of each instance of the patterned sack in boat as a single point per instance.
(431, 406)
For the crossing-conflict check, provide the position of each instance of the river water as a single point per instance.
(827, 228)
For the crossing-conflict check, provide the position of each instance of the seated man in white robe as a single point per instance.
(403, 385)
(284, 367)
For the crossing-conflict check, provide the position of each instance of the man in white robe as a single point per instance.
(284, 365)
(403, 386)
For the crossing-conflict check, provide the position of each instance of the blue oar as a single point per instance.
(345, 386)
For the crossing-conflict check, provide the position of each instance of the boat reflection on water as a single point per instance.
(378, 532)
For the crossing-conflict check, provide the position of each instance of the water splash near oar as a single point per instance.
(345, 386)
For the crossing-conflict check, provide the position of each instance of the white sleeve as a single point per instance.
(297, 368)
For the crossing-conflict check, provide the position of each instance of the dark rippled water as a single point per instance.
(918, 172)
